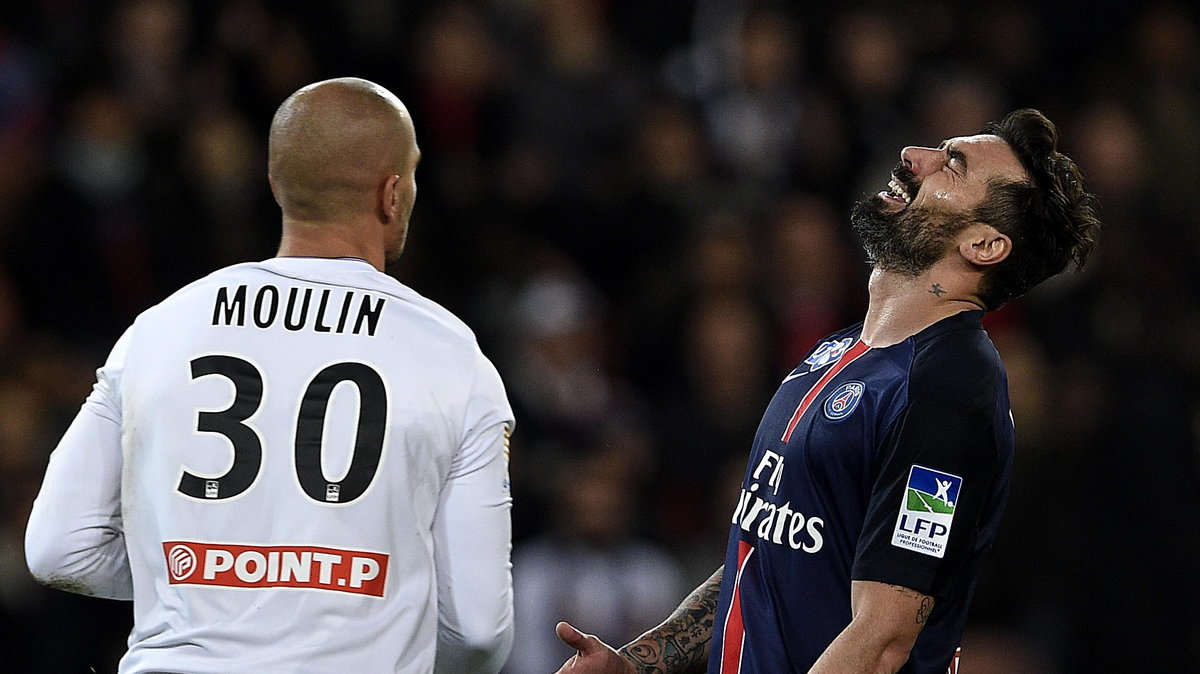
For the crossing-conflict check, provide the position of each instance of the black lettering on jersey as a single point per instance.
(368, 439)
(345, 313)
(289, 320)
(236, 425)
(229, 308)
(235, 308)
(370, 314)
(231, 423)
(318, 324)
(266, 299)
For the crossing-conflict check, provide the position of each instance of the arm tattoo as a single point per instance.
(681, 643)
(924, 610)
(926, 606)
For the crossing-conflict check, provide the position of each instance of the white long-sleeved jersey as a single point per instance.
(298, 465)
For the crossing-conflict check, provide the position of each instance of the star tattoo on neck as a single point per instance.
(937, 289)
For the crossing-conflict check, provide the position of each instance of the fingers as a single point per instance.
(574, 638)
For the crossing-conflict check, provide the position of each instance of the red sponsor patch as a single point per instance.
(303, 566)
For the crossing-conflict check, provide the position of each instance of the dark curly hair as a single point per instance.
(1051, 220)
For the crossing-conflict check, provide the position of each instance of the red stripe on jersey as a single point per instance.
(735, 631)
(850, 356)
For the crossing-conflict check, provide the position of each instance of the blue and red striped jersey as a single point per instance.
(882, 464)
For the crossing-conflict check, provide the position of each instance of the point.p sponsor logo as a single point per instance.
(276, 566)
(181, 563)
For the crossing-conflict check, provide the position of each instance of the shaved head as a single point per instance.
(333, 145)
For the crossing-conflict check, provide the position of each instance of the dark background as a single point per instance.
(640, 208)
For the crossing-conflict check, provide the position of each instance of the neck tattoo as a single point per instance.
(937, 289)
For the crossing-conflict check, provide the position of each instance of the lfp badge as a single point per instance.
(927, 511)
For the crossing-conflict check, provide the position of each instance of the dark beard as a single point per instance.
(908, 241)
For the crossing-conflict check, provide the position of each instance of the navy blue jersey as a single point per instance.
(888, 465)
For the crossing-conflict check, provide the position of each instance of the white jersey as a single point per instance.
(298, 465)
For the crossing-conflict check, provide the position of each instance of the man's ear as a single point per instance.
(984, 245)
(389, 198)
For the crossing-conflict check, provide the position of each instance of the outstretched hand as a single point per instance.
(594, 656)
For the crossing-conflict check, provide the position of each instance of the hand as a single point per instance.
(594, 656)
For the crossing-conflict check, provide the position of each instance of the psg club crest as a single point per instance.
(844, 400)
(827, 353)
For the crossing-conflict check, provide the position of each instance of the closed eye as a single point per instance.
(956, 155)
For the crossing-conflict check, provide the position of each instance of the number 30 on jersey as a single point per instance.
(310, 425)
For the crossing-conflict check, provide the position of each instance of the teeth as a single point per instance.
(898, 190)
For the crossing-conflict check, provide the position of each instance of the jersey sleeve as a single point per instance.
(488, 416)
(473, 537)
(936, 472)
(74, 540)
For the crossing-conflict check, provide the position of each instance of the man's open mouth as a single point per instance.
(897, 193)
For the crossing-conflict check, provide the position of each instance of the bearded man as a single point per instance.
(879, 473)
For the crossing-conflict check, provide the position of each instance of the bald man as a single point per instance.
(342, 164)
(300, 464)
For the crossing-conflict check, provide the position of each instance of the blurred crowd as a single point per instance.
(641, 209)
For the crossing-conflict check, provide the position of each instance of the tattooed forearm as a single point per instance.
(681, 643)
